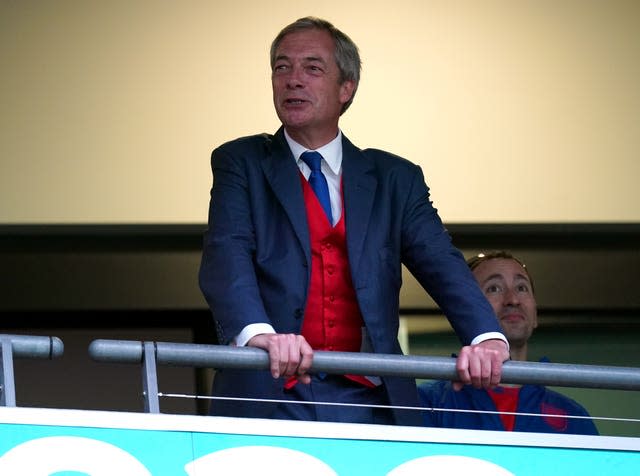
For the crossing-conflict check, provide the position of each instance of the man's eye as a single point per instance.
(280, 67)
(523, 288)
(492, 289)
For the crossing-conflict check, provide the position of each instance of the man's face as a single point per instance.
(506, 285)
(307, 93)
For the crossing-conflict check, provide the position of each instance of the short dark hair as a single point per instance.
(475, 261)
(347, 55)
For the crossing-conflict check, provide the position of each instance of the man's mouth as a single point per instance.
(294, 101)
(512, 317)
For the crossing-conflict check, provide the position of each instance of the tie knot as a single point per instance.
(313, 159)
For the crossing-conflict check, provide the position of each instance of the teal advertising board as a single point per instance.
(38, 442)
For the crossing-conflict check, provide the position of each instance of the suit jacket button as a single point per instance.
(298, 313)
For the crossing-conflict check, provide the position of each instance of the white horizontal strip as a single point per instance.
(396, 407)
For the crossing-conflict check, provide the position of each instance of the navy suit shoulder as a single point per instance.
(385, 162)
(247, 141)
(252, 148)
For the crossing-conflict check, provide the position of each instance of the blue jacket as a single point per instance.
(532, 399)
(257, 257)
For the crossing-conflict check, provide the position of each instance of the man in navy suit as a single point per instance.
(288, 273)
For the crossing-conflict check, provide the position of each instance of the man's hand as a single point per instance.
(290, 355)
(481, 365)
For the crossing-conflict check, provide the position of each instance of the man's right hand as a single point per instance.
(290, 355)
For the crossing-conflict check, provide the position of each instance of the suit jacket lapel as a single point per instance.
(284, 177)
(359, 187)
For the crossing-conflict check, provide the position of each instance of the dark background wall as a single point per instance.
(89, 282)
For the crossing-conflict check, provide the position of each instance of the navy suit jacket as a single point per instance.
(257, 257)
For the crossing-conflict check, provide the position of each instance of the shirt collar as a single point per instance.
(331, 152)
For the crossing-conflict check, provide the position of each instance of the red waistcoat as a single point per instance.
(332, 319)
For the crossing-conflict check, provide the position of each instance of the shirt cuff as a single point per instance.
(253, 330)
(489, 336)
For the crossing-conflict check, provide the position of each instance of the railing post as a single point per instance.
(150, 378)
(32, 347)
(7, 381)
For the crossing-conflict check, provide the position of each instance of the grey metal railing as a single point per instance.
(218, 356)
(32, 347)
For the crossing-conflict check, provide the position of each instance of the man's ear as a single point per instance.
(346, 91)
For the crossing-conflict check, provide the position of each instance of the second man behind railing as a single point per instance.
(508, 285)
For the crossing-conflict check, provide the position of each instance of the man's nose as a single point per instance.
(294, 79)
(511, 296)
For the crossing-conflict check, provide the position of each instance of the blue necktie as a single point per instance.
(318, 181)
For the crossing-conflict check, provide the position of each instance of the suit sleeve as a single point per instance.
(440, 268)
(227, 272)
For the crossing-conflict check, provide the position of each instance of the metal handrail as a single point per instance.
(413, 366)
(32, 347)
